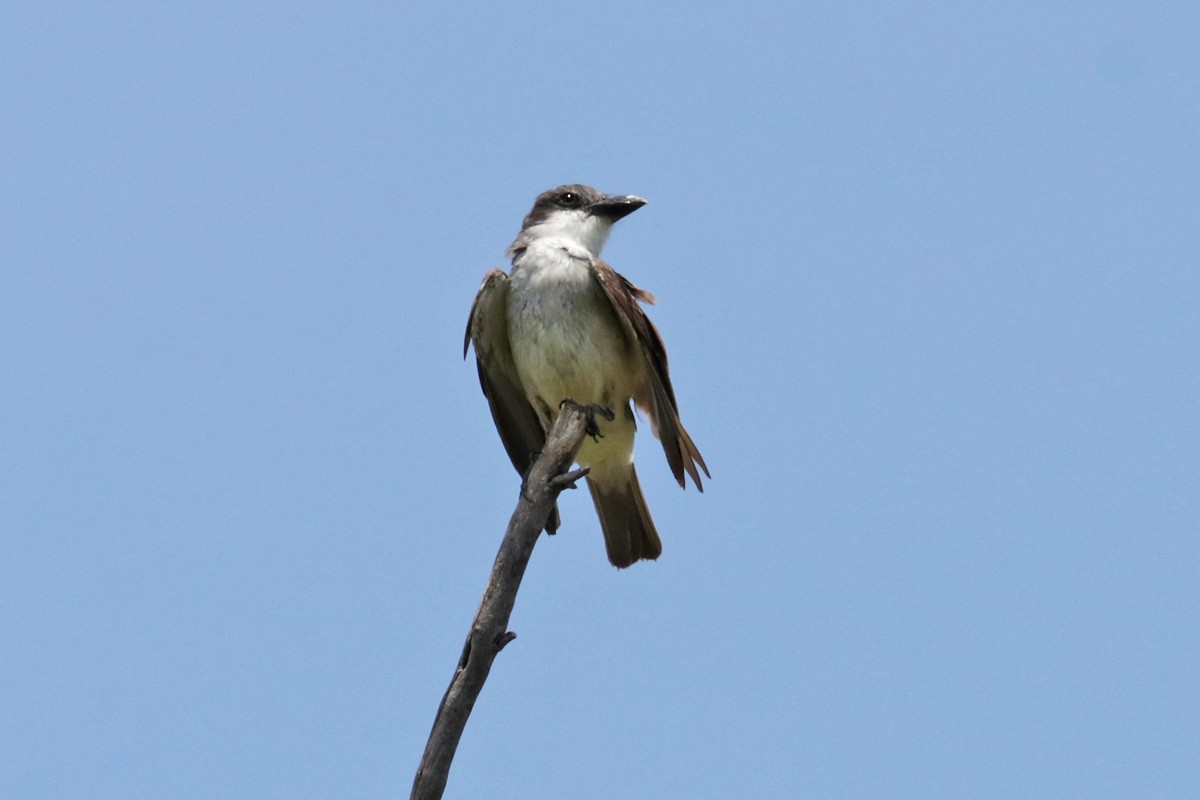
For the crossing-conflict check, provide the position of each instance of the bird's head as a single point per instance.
(578, 214)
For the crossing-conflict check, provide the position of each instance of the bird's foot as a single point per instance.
(590, 412)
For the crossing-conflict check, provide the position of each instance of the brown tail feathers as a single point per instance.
(629, 533)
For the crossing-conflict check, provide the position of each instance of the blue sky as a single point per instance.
(928, 277)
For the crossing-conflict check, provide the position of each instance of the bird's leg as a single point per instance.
(589, 414)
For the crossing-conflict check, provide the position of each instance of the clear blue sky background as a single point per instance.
(929, 279)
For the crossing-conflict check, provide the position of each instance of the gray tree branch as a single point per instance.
(489, 632)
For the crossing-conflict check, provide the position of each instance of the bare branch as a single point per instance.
(489, 632)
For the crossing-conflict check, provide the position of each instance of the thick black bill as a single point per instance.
(614, 207)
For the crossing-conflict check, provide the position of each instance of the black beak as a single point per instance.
(614, 206)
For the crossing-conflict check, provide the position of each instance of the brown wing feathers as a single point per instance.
(518, 424)
(659, 405)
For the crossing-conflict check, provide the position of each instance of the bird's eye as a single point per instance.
(568, 199)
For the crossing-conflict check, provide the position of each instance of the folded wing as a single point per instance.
(655, 397)
(517, 422)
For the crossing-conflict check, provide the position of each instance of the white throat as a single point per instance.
(574, 229)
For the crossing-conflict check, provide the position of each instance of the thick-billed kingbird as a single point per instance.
(565, 326)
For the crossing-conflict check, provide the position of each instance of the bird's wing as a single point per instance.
(656, 397)
(517, 422)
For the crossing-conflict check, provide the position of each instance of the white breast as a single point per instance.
(565, 338)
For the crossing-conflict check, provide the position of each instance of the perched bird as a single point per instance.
(564, 326)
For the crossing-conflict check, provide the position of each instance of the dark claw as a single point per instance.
(603, 411)
(591, 428)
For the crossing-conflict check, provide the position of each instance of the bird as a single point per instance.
(562, 326)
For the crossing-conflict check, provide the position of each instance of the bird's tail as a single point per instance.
(629, 533)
